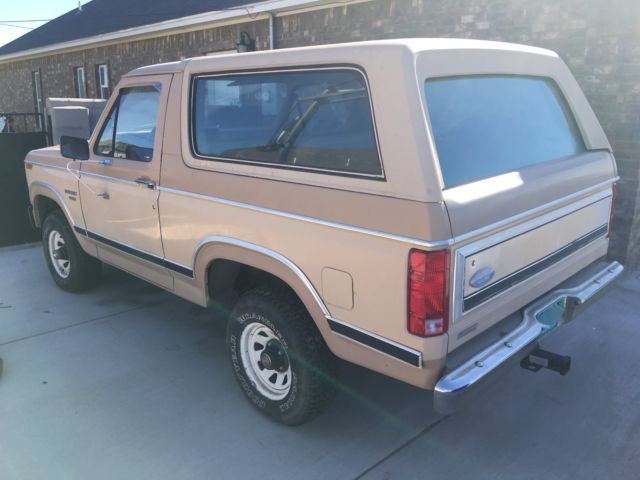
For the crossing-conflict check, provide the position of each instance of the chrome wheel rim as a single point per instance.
(58, 254)
(265, 361)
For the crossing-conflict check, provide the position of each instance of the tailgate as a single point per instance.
(495, 268)
(516, 240)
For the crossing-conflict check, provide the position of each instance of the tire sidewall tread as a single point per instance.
(312, 364)
(85, 269)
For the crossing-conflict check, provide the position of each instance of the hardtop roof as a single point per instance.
(414, 45)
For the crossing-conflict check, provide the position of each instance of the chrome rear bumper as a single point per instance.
(456, 385)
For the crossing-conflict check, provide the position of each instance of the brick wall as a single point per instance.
(16, 90)
(599, 39)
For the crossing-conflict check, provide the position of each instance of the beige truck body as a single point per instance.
(342, 242)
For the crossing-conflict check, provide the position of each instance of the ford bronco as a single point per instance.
(429, 209)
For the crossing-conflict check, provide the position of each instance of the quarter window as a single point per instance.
(312, 120)
(130, 129)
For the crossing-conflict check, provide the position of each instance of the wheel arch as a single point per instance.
(235, 254)
(44, 198)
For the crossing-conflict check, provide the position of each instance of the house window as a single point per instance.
(38, 100)
(80, 82)
(103, 81)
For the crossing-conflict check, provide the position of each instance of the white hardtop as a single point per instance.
(307, 54)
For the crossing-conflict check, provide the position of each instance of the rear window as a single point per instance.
(312, 120)
(489, 125)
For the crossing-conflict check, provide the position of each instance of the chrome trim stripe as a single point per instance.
(270, 253)
(107, 177)
(149, 257)
(372, 340)
(48, 165)
(480, 231)
(82, 172)
(317, 221)
(389, 236)
(366, 231)
(532, 269)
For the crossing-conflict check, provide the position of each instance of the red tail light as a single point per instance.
(612, 212)
(427, 304)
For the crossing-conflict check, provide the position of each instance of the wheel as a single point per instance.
(71, 268)
(279, 358)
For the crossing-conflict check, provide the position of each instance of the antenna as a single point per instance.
(79, 5)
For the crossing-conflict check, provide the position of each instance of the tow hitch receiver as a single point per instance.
(540, 358)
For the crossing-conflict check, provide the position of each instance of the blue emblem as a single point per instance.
(482, 277)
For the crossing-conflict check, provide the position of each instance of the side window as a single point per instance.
(130, 129)
(312, 120)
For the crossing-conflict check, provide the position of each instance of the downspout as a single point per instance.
(272, 37)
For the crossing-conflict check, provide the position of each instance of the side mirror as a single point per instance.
(74, 148)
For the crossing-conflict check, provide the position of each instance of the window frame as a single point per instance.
(100, 85)
(80, 87)
(325, 171)
(116, 106)
(563, 102)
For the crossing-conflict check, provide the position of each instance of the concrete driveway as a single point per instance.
(129, 382)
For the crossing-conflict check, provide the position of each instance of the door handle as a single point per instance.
(145, 181)
(104, 196)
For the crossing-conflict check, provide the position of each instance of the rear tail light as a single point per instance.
(427, 304)
(612, 212)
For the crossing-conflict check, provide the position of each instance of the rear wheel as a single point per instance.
(71, 268)
(279, 358)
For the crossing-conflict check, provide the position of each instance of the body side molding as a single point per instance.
(372, 340)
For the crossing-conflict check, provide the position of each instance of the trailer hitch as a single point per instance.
(540, 358)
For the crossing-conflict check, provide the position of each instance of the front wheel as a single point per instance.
(71, 268)
(279, 358)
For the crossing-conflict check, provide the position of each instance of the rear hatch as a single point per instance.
(528, 199)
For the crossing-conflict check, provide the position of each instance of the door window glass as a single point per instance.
(130, 129)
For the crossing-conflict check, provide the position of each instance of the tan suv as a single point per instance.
(425, 208)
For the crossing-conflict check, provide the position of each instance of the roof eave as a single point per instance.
(252, 11)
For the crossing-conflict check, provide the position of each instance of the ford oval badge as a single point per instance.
(482, 277)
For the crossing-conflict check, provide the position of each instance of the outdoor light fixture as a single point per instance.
(246, 43)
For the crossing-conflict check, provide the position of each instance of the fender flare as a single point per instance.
(256, 256)
(44, 189)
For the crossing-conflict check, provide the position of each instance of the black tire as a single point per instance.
(313, 366)
(84, 270)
